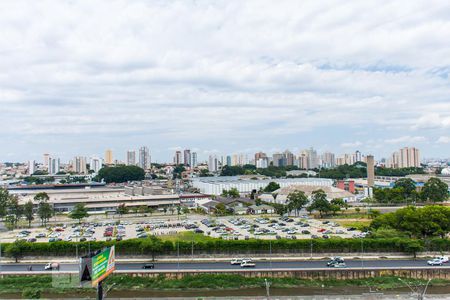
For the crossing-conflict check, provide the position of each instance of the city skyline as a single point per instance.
(224, 77)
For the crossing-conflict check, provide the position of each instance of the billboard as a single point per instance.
(103, 264)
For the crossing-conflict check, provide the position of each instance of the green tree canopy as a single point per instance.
(120, 174)
(28, 212)
(271, 187)
(320, 203)
(435, 190)
(296, 201)
(79, 212)
(41, 196)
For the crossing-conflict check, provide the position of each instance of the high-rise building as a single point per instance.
(46, 157)
(144, 158)
(131, 158)
(358, 156)
(194, 160)
(53, 165)
(109, 157)
(303, 161)
(262, 162)
(370, 170)
(259, 155)
(328, 160)
(213, 164)
(288, 158)
(229, 162)
(79, 165)
(177, 158)
(278, 160)
(32, 167)
(95, 164)
(406, 157)
(187, 157)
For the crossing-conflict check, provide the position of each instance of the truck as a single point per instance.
(52, 266)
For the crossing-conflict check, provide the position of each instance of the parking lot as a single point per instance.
(236, 228)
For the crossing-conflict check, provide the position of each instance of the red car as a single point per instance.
(321, 230)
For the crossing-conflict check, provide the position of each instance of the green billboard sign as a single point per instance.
(103, 264)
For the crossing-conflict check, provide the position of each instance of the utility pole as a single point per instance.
(100, 290)
(267, 289)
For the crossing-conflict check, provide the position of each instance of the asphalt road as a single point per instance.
(227, 266)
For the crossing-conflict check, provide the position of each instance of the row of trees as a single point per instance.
(298, 200)
(11, 210)
(429, 221)
(404, 190)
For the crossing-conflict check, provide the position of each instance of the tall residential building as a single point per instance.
(303, 160)
(187, 157)
(278, 160)
(79, 165)
(46, 157)
(213, 164)
(144, 158)
(95, 164)
(109, 157)
(288, 158)
(32, 167)
(53, 165)
(194, 159)
(328, 160)
(262, 162)
(131, 158)
(177, 158)
(406, 157)
(370, 170)
(259, 155)
(358, 156)
(229, 162)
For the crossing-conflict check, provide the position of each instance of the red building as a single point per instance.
(348, 185)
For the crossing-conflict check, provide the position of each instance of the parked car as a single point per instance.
(306, 232)
(41, 235)
(31, 240)
(238, 261)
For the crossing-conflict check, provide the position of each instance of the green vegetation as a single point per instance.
(296, 201)
(271, 187)
(79, 212)
(43, 283)
(120, 174)
(404, 191)
(232, 193)
(429, 221)
(360, 224)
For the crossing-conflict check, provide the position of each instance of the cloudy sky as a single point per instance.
(78, 77)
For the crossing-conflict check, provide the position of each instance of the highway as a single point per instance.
(211, 266)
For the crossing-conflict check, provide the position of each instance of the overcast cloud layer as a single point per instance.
(78, 77)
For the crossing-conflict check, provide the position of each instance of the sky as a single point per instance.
(223, 77)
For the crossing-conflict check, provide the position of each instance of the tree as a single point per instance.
(120, 174)
(28, 212)
(233, 193)
(320, 203)
(45, 212)
(296, 201)
(152, 245)
(15, 250)
(79, 212)
(42, 196)
(185, 210)
(407, 184)
(15, 211)
(338, 204)
(121, 209)
(143, 209)
(271, 187)
(4, 196)
(221, 210)
(435, 190)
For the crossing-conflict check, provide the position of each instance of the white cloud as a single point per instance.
(351, 144)
(443, 140)
(82, 76)
(406, 139)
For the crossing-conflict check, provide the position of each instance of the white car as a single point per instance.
(238, 261)
(435, 262)
(444, 259)
(247, 264)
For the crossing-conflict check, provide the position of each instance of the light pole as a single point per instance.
(362, 254)
(270, 255)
